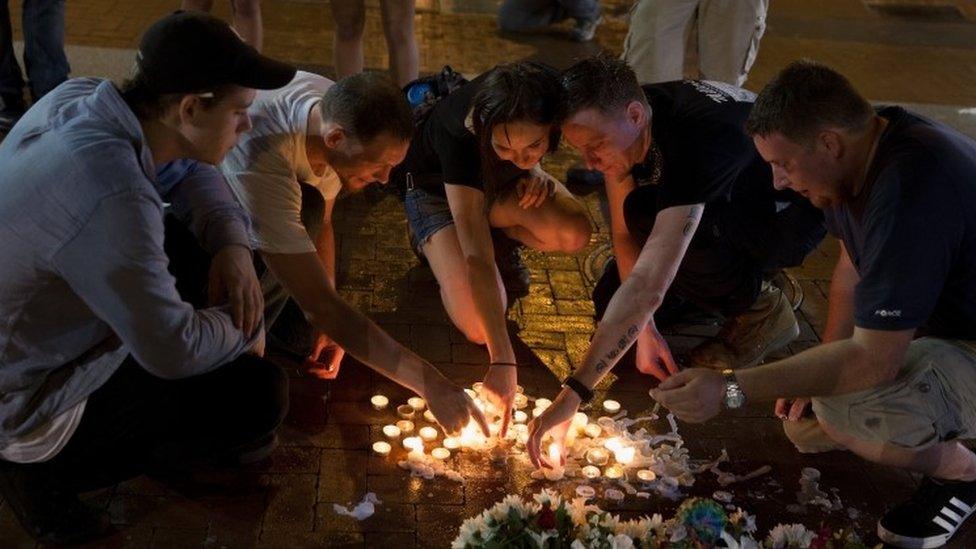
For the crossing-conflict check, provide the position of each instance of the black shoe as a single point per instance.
(583, 177)
(514, 273)
(933, 514)
(13, 109)
(49, 514)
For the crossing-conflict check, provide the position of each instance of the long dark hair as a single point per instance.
(525, 91)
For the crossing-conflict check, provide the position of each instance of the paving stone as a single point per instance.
(166, 538)
(311, 540)
(568, 285)
(408, 489)
(389, 517)
(342, 476)
(291, 504)
(166, 512)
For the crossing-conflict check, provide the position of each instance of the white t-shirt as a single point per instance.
(266, 166)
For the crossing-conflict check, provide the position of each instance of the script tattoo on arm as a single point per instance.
(622, 344)
(690, 222)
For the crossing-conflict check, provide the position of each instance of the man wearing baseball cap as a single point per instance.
(105, 372)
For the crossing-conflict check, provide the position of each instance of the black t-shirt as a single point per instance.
(444, 151)
(700, 151)
(911, 231)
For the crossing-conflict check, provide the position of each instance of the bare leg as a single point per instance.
(400, 41)
(247, 21)
(347, 46)
(443, 251)
(560, 224)
(945, 460)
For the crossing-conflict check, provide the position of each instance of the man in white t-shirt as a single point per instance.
(311, 139)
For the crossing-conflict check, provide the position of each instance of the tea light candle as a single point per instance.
(519, 389)
(521, 401)
(391, 431)
(452, 443)
(429, 416)
(590, 472)
(415, 444)
(611, 406)
(440, 453)
(580, 420)
(471, 393)
(379, 401)
(477, 386)
(614, 472)
(646, 475)
(405, 426)
(405, 411)
(428, 433)
(416, 403)
(557, 471)
(625, 455)
(593, 430)
(382, 448)
(597, 456)
(521, 417)
(543, 403)
(536, 412)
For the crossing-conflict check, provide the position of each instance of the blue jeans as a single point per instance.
(526, 15)
(44, 58)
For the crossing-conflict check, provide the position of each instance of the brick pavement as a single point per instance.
(325, 458)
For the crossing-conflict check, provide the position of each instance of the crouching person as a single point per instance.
(105, 372)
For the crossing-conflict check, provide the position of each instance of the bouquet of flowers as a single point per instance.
(550, 522)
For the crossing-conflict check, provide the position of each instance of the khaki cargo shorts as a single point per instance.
(932, 400)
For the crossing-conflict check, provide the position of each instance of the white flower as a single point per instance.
(640, 528)
(790, 536)
(548, 496)
(621, 541)
(678, 533)
(745, 521)
(541, 537)
(469, 528)
(577, 544)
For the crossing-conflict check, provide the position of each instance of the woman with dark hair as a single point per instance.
(472, 176)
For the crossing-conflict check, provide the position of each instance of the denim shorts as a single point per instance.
(427, 213)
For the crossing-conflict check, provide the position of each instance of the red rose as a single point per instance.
(547, 517)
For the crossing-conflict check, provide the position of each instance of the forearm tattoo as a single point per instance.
(690, 221)
(622, 344)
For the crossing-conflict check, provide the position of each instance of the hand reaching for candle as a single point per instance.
(453, 408)
(325, 358)
(499, 388)
(556, 420)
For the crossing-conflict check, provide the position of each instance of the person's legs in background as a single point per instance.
(11, 77)
(247, 18)
(655, 43)
(728, 38)
(529, 15)
(44, 59)
(349, 17)
(400, 40)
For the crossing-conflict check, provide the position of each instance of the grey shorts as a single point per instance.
(932, 400)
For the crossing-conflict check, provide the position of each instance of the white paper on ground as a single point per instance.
(363, 510)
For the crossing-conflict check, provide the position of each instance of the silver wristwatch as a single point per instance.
(734, 397)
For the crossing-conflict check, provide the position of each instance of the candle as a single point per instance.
(471, 393)
(452, 443)
(625, 455)
(611, 406)
(590, 472)
(615, 471)
(543, 403)
(521, 417)
(429, 416)
(613, 444)
(382, 448)
(428, 433)
(521, 401)
(477, 386)
(440, 453)
(405, 426)
(592, 430)
(391, 431)
(557, 471)
(416, 403)
(536, 412)
(580, 420)
(415, 444)
(597, 456)
(379, 401)
(646, 475)
(405, 411)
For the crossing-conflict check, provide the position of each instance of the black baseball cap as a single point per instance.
(192, 51)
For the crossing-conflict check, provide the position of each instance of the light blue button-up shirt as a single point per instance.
(82, 260)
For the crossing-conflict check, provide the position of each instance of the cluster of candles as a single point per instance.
(598, 458)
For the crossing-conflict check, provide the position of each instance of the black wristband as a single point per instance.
(577, 387)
